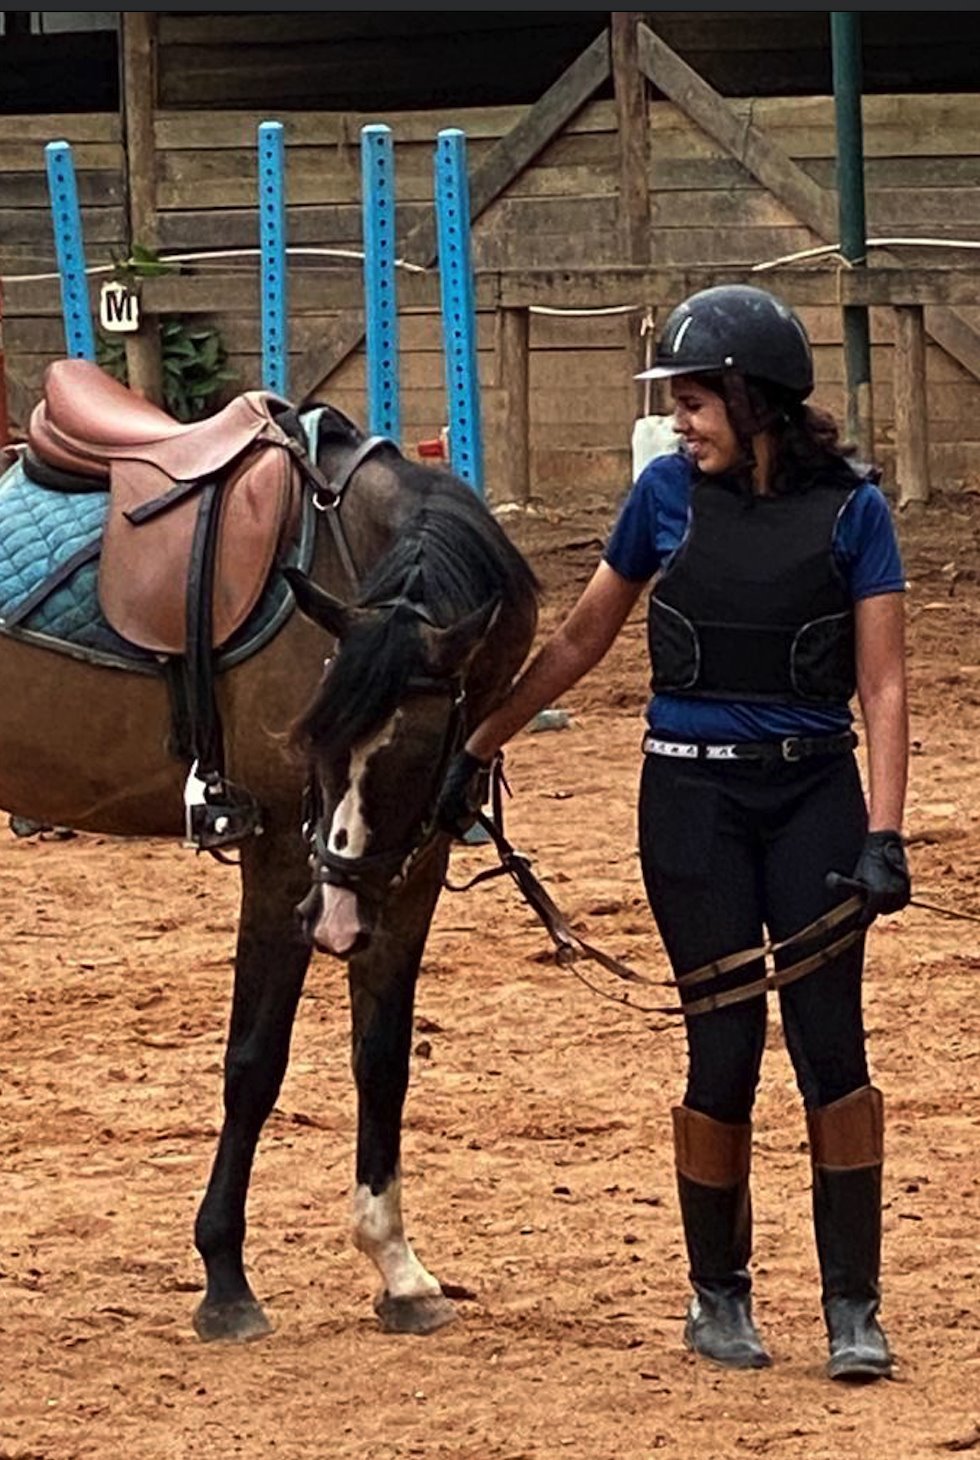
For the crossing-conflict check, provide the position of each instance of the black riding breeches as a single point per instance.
(731, 847)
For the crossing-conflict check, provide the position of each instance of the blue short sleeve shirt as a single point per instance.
(652, 525)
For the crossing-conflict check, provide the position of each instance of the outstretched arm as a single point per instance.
(574, 649)
(880, 626)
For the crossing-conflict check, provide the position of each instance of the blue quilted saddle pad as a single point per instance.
(44, 531)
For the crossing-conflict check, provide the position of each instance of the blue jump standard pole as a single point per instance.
(70, 251)
(458, 307)
(459, 324)
(272, 237)
(380, 287)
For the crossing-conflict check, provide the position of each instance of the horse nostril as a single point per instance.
(307, 911)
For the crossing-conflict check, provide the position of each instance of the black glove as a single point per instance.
(464, 791)
(883, 870)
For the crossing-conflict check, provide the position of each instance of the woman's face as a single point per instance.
(701, 418)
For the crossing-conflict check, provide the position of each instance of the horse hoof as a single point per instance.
(232, 1322)
(414, 1315)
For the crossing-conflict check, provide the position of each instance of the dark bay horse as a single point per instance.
(439, 616)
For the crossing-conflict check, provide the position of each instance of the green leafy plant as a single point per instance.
(194, 365)
(144, 263)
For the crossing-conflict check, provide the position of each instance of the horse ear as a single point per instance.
(447, 651)
(318, 605)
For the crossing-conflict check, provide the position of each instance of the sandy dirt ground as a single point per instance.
(537, 1157)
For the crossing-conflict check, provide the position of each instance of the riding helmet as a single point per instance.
(734, 327)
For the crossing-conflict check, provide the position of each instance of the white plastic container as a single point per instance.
(652, 436)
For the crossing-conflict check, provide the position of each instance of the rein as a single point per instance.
(569, 946)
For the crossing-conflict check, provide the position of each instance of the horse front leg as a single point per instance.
(270, 965)
(382, 990)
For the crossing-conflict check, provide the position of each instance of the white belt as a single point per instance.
(676, 748)
(789, 748)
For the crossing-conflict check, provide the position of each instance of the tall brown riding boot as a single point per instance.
(713, 1184)
(846, 1149)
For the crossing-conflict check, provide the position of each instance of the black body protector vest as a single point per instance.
(753, 606)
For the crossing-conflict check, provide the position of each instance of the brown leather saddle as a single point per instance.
(197, 515)
(161, 475)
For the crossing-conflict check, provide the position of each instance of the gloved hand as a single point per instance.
(883, 870)
(464, 791)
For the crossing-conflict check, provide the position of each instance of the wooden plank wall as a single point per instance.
(923, 173)
(348, 60)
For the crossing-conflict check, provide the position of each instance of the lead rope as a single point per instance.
(569, 946)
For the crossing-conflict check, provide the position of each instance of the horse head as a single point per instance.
(389, 714)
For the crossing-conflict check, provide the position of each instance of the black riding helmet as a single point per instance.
(734, 328)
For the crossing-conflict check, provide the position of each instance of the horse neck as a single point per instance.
(497, 661)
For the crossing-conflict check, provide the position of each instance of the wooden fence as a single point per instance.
(559, 212)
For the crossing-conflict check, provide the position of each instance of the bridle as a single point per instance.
(373, 875)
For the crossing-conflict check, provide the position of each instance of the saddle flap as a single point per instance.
(145, 569)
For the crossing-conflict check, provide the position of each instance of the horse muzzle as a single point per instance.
(331, 920)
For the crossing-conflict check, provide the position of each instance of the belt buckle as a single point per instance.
(791, 748)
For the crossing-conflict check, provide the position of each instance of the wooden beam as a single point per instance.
(911, 411)
(630, 87)
(603, 287)
(507, 160)
(310, 293)
(513, 438)
(138, 86)
(322, 294)
(682, 85)
(547, 117)
(813, 205)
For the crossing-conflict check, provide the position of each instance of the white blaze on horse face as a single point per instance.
(338, 926)
(378, 1232)
(349, 830)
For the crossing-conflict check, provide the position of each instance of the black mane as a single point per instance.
(450, 558)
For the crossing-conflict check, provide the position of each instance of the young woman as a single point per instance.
(778, 594)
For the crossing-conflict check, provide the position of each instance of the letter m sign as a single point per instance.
(119, 310)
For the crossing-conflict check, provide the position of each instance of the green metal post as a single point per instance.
(845, 35)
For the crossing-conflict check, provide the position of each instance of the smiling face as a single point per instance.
(701, 418)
